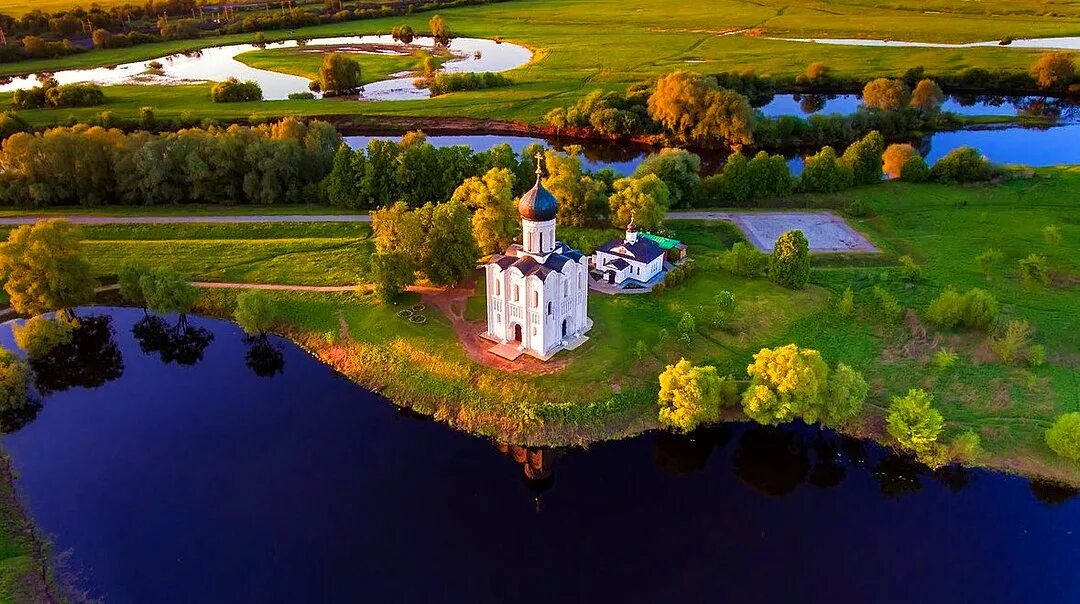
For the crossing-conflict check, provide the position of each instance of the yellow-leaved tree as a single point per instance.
(491, 198)
(786, 383)
(691, 394)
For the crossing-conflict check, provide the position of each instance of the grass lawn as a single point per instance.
(305, 62)
(192, 209)
(581, 46)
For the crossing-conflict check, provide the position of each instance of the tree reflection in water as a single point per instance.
(899, 475)
(811, 103)
(681, 454)
(772, 461)
(91, 359)
(1052, 493)
(12, 420)
(263, 358)
(828, 470)
(955, 477)
(182, 343)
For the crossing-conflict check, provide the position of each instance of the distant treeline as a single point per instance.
(283, 162)
(39, 34)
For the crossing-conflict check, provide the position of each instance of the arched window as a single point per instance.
(550, 309)
(517, 293)
(536, 299)
(497, 288)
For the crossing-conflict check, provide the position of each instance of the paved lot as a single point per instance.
(826, 232)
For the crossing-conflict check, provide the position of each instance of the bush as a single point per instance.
(235, 91)
(914, 423)
(846, 395)
(1063, 437)
(987, 260)
(51, 94)
(786, 383)
(947, 309)
(339, 74)
(1054, 70)
(963, 164)
(789, 264)
(690, 395)
(1051, 235)
(744, 259)
(255, 312)
(864, 158)
(966, 447)
(944, 359)
(445, 82)
(1011, 342)
(976, 309)
(910, 271)
(845, 306)
(915, 170)
(823, 173)
(1036, 355)
(41, 334)
(1033, 270)
(11, 123)
(301, 96)
(888, 307)
(725, 308)
(14, 383)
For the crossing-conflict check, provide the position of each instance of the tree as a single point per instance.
(694, 109)
(342, 184)
(495, 217)
(582, 199)
(789, 264)
(864, 158)
(643, 200)
(769, 176)
(686, 328)
(724, 303)
(679, 169)
(1063, 437)
(14, 383)
(886, 94)
(339, 74)
(255, 312)
(403, 34)
(167, 291)
(43, 268)
(440, 31)
(11, 123)
(915, 169)
(847, 392)
(130, 282)
(41, 334)
(745, 260)
(817, 71)
(785, 383)
(822, 173)
(894, 158)
(962, 164)
(690, 395)
(451, 248)
(736, 181)
(927, 96)
(392, 273)
(1054, 70)
(397, 229)
(914, 423)
(232, 90)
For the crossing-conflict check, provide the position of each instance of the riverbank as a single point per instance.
(25, 572)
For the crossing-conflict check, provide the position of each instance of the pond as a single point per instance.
(219, 62)
(1049, 146)
(802, 105)
(169, 471)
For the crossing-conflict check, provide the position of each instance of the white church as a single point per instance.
(538, 291)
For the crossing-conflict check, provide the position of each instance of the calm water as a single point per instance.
(1014, 145)
(184, 475)
(219, 62)
(802, 105)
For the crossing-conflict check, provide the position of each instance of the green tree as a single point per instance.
(167, 291)
(1054, 70)
(962, 164)
(679, 169)
(1063, 437)
(397, 229)
(927, 96)
(403, 34)
(693, 108)
(440, 31)
(886, 94)
(914, 423)
(495, 217)
(451, 248)
(847, 391)
(690, 395)
(745, 260)
(823, 173)
(342, 183)
(785, 383)
(43, 268)
(736, 181)
(864, 158)
(339, 74)
(14, 386)
(643, 200)
(845, 306)
(582, 199)
(255, 312)
(130, 282)
(914, 169)
(392, 273)
(41, 334)
(789, 264)
(770, 176)
(686, 328)
(641, 350)
(724, 308)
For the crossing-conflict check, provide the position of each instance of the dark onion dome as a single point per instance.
(538, 204)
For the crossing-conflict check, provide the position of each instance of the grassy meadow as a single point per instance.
(580, 46)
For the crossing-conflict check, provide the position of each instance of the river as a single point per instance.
(170, 469)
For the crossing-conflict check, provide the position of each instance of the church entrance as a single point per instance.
(611, 277)
(517, 332)
(565, 328)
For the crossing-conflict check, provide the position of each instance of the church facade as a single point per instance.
(537, 291)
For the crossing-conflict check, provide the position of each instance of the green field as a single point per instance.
(581, 46)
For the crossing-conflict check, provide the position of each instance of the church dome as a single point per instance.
(538, 204)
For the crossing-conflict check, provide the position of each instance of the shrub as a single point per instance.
(789, 264)
(944, 359)
(845, 306)
(14, 383)
(987, 260)
(976, 309)
(301, 96)
(690, 395)
(1033, 270)
(1054, 70)
(909, 270)
(963, 164)
(41, 334)
(915, 170)
(846, 394)
(914, 423)
(235, 91)
(744, 259)
(927, 96)
(947, 309)
(1063, 437)
(889, 308)
(339, 74)
(686, 327)
(966, 447)
(641, 350)
(11, 123)
(823, 173)
(445, 82)
(1051, 235)
(1036, 355)
(725, 308)
(130, 282)
(817, 71)
(1011, 342)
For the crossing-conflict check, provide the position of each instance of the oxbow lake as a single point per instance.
(192, 469)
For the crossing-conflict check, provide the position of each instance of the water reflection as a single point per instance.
(802, 105)
(263, 357)
(1052, 493)
(898, 475)
(681, 454)
(771, 460)
(182, 343)
(91, 359)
